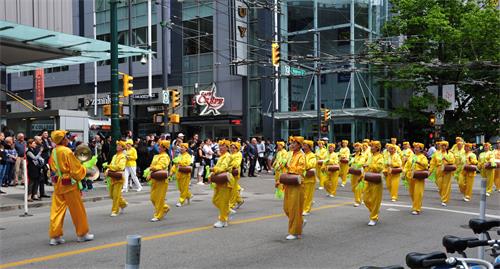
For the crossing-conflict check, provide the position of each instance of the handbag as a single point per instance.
(220, 178)
(421, 174)
(373, 177)
(332, 167)
(290, 179)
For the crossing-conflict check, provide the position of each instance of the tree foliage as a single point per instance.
(439, 42)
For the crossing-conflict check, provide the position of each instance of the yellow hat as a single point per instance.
(367, 144)
(345, 142)
(121, 143)
(444, 143)
(290, 139)
(280, 143)
(332, 145)
(298, 139)
(406, 143)
(129, 142)
(237, 145)
(321, 142)
(376, 144)
(470, 145)
(184, 145)
(58, 136)
(459, 138)
(310, 143)
(487, 144)
(165, 144)
(418, 145)
(389, 146)
(357, 144)
(224, 142)
(366, 140)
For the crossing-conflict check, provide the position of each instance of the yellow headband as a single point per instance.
(376, 144)
(310, 143)
(298, 139)
(121, 143)
(236, 144)
(444, 143)
(280, 143)
(184, 145)
(165, 144)
(321, 142)
(470, 145)
(345, 142)
(224, 142)
(459, 138)
(357, 144)
(332, 145)
(406, 143)
(418, 145)
(389, 146)
(366, 140)
(129, 142)
(58, 136)
(487, 144)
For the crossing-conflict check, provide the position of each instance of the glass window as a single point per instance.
(361, 14)
(333, 13)
(300, 15)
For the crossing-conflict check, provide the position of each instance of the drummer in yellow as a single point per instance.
(309, 181)
(279, 163)
(366, 149)
(66, 194)
(159, 187)
(458, 140)
(358, 162)
(468, 176)
(488, 164)
(394, 143)
(373, 192)
(321, 157)
(417, 162)
(294, 194)
(406, 153)
(497, 169)
(459, 154)
(236, 158)
(332, 178)
(222, 192)
(117, 164)
(443, 178)
(183, 178)
(393, 161)
(344, 154)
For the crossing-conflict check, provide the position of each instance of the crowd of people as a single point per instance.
(300, 167)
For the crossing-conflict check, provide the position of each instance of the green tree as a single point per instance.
(439, 42)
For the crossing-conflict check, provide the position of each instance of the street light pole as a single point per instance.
(130, 71)
(318, 81)
(275, 104)
(164, 59)
(115, 118)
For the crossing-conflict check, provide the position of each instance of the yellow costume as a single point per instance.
(467, 181)
(418, 162)
(183, 179)
(373, 191)
(321, 154)
(460, 162)
(497, 170)
(406, 154)
(358, 163)
(236, 159)
(222, 192)
(294, 195)
(332, 178)
(309, 182)
(66, 193)
(489, 173)
(115, 189)
(443, 179)
(392, 180)
(159, 188)
(344, 154)
(279, 165)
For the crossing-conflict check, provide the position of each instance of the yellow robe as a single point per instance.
(159, 187)
(321, 154)
(332, 177)
(443, 179)
(373, 191)
(489, 173)
(222, 192)
(460, 163)
(358, 162)
(467, 177)
(344, 153)
(131, 157)
(406, 154)
(294, 195)
(117, 164)
(67, 196)
(497, 170)
(236, 159)
(279, 165)
(418, 162)
(309, 182)
(392, 180)
(183, 179)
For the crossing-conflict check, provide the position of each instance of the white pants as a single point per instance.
(132, 172)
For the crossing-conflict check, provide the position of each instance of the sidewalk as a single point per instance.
(14, 199)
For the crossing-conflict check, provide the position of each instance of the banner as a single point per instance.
(39, 88)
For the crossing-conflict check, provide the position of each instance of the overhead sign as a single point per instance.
(238, 11)
(449, 95)
(293, 71)
(439, 118)
(210, 101)
(100, 101)
(145, 96)
(165, 97)
(39, 87)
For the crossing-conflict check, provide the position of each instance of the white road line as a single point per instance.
(444, 210)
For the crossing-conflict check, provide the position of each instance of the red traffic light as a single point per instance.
(431, 135)
(236, 122)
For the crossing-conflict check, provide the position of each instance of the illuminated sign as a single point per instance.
(210, 101)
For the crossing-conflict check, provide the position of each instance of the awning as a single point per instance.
(25, 48)
(364, 112)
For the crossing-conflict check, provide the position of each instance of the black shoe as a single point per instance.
(2, 192)
(44, 196)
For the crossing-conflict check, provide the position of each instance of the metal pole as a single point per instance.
(133, 258)
(482, 215)
(150, 56)
(275, 100)
(115, 117)
(95, 63)
(164, 58)
(318, 82)
(26, 182)
(130, 70)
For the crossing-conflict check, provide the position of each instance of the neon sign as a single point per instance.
(210, 101)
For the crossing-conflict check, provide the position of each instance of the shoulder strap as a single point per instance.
(54, 157)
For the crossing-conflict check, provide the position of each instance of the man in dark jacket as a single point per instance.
(252, 155)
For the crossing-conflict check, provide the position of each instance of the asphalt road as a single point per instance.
(336, 236)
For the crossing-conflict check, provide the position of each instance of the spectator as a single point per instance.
(106, 149)
(73, 142)
(208, 153)
(252, 155)
(35, 163)
(261, 150)
(2, 160)
(10, 154)
(431, 150)
(199, 163)
(269, 155)
(20, 165)
(43, 168)
(47, 147)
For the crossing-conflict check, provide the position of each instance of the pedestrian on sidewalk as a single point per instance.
(10, 155)
(2, 160)
(20, 165)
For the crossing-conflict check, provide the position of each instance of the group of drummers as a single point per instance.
(298, 166)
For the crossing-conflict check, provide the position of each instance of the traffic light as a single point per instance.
(432, 120)
(327, 115)
(324, 129)
(175, 98)
(158, 118)
(174, 118)
(127, 85)
(275, 54)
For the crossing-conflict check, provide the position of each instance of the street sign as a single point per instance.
(297, 72)
(286, 70)
(166, 97)
(439, 118)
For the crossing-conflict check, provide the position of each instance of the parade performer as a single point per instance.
(497, 169)
(222, 192)
(467, 175)
(406, 153)
(442, 159)
(417, 162)
(332, 178)
(488, 164)
(117, 167)
(279, 165)
(344, 154)
(68, 172)
(460, 162)
(393, 165)
(373, 192)
(394, 143)
(236, 158)
(294, 194)
(366, 149)
(131, 166)
(321, 157)
(458, 139)
(358, 162)
(159, 186)
(183, 177)
(310, 176)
